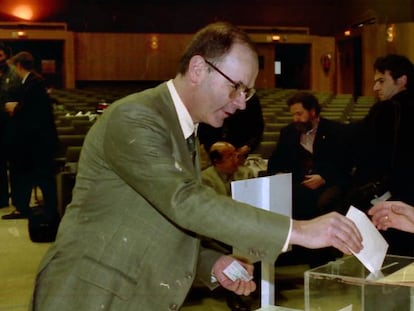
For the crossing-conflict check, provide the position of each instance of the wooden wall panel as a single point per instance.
(322, 81)
(319, 81)
(113, 56)
(123, 57)
(404, 34)
(266, 77)
(375, 44)
(62, 35)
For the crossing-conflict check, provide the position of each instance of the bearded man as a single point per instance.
(310, 148)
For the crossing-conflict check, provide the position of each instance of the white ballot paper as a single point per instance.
(235, 271)
(375, 247)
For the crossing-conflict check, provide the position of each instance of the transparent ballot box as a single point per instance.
(346, 285)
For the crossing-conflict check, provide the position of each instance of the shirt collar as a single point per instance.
(186, 123)
(25, 77)
(313, 130)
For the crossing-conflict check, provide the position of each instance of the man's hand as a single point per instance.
(10, 107)
(393, 214)
(313, 181)
(243, 152)
(331, 229)
(239, 287)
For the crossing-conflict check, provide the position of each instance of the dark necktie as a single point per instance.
(191, 146)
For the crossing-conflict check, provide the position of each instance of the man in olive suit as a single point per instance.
(130, 238)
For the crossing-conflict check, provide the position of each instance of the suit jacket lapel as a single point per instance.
(169, 113)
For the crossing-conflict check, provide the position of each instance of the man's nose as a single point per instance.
(240, 102)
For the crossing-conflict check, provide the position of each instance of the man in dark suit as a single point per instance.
(381, 145)
(31, 142)
(10, 86)
(310, 149)
(130, 238)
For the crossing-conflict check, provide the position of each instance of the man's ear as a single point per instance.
(312, 112)
(196, 68)
(402, 81)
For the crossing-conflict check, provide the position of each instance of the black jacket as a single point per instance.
(382, 145)
(327, 154)
(32, 136)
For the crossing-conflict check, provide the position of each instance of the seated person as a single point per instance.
(309, 148)
(243, 129)
(225, 168)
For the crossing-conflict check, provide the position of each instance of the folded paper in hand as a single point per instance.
(236, 271)
(374, 245)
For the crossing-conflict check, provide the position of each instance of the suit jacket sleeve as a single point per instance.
(152, 131)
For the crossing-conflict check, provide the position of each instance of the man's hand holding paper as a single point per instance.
(375, 247)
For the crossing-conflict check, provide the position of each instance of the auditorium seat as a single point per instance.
(266, 148)
(81, 126)
(64, 142)
(65, 130)
(270, 136)
(65, 181)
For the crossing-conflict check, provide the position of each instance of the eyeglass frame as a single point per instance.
(248, 92)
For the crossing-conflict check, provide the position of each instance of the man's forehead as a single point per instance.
(382, 75)
(224, 148)
(297, 106)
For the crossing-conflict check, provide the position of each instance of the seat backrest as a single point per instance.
(73, 153)
(69, 140)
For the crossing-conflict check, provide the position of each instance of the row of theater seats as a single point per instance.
(71, 137)
(75, 110)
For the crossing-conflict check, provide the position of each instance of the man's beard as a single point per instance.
(303, 127)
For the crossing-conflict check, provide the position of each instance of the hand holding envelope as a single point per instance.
(375, 247)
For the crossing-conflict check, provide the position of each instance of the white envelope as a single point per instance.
(375, 247)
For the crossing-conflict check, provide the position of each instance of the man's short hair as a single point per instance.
(212, 42)
(398, 66)
(25, 59)
(308, 101)
(218, 149)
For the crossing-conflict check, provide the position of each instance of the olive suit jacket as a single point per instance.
(130, 238)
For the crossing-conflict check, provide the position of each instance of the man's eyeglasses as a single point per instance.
(239, 87)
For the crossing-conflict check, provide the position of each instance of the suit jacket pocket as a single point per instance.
(106, 277)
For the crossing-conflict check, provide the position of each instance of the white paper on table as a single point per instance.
(374, 245)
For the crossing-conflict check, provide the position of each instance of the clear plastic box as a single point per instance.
(346, 285)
